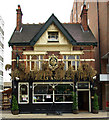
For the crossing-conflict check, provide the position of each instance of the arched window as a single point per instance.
(23, 93)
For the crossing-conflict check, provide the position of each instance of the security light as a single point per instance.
(94, 77)
(17, 78)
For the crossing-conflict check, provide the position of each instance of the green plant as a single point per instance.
(75, 101)
(95, 102)
(14, 104)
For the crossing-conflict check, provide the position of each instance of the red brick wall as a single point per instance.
(89, 53)
(19, 50)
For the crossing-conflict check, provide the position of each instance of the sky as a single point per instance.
(34, 11)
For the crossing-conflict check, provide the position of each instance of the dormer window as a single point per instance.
(53, 37)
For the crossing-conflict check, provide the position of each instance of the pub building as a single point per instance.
(52, 42)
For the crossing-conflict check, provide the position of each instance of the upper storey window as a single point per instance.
(53, 37)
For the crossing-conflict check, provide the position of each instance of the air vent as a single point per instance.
(107, 68)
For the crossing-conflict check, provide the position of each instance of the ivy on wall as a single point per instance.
(84, 72)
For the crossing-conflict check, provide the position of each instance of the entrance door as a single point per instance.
(83, 100)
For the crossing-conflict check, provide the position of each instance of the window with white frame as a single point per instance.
(48, 93)
(63, 93)
(34, 61)
(23, 92)
(71, 61)
(42, 93)
(53, 37)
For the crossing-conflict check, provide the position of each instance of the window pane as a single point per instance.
(83, 85)
(64, 56)
(41, 65)
(23, 93)
(52, 36)
(41, 57)
(37, 64)
(69, 64)
(32, 65)
(28, 63)
(38, 98)
(63, 89)
(34, 57)
(43, 93)
(48, 98)
(37, 57)
(78, 64)
(65, 65)
(71, 57)
(73, 64)
(58, 98)
(40, 89)
(63, 93)
(77, 56)
(28, 57)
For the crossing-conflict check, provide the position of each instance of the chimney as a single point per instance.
(19, 18)
(84, 18)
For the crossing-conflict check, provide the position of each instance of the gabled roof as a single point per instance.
(51, 20)
(30, 33)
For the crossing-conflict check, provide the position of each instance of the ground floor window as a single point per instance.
(23, 96)
(52, 93)
(42, 93)
(63, 93)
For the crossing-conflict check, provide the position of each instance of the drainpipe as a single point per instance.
(99, 38)
(76, 12)
(99, 53)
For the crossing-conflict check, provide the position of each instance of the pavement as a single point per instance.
(7, 115)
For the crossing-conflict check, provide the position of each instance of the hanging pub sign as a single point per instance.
(53, 62)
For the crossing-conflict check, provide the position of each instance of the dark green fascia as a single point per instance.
(19, 44)
(51, 20)
(87, 43)
(28, 44)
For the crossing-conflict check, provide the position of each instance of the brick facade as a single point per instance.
(88, 56)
